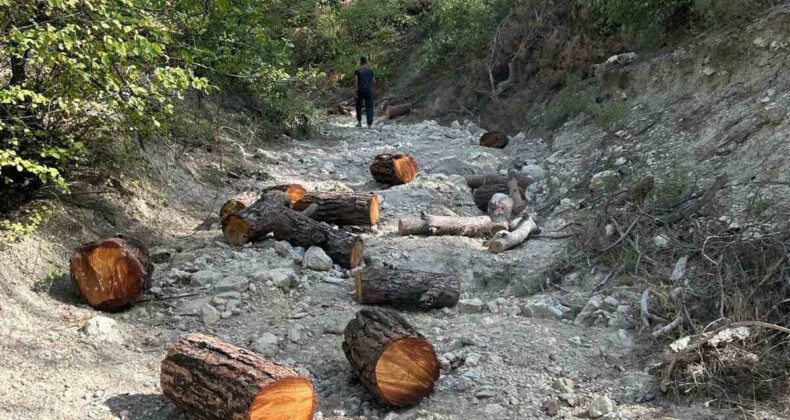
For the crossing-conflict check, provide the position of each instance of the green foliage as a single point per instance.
(716, 12)
(635, 16)
(674, 188)
(574, 99)
(20, 227)
(608, 115)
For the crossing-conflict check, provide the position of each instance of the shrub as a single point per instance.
(635, 16)
(574, 99)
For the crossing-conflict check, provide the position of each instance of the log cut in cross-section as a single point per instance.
(112, 273)
(255, 221)
(494, 139)
(397, 111)
(392, 360)
(211, 379)
(357, 209)
(295, 192)
(500, 208)
(477, 181)
(345, 249)
(472, 226)
(238, 203)
(506, 240)
(394, 169)
(395, 286)
(484, 193)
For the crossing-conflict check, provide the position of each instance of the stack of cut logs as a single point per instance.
(215, 380)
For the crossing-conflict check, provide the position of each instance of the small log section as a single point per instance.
(394, 169)
(397, 111)
(342, 208)
(473, 227)
(477, 181)
(494, 139)
(238, 203)
(506, 240)
(211, 379)
(255, 221)
(519, 205)
(387, 285)
(345, 249)
(295, 192)
(484, 193)
(500, 208)
(111, 274)
(392, 360)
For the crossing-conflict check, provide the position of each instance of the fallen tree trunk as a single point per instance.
(474, 227)
(387, 285)
(295, 192)
(477, 181)
(214, 380)
(394, 169)
(397, 111)
(506, 240)
(699, 203)
(519, 205)
(342, 208)
(238, 203)
(345, 249)
(393, 361)
(500, 208)
(494, 139)
(112, 273)
(484, 193)
(256, 221)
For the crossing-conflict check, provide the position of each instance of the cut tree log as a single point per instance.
(506, 240)
(494, 139)
(387, 285)
(500, 208)
(211, 379)
(295, 192)
(484, 193)
(473, 227)
(477, 181)
(397, 111)
(111, 274)
(255, 221)
(394, 169)
(356, 209)
(393, 361)
(238, 203)
(519, 205)
(345, 249)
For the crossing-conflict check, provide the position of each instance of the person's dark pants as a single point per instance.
(366, 97)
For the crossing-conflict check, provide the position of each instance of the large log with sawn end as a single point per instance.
(214, 380)
(477, 181)
(473, 226)
(494, 139)
(484, 193)
(387, 285)
(393, 361)
(112, 273)
(342, 208)
(397, 111)
(345, 249)
(295, 192)
(238, 203)
(394, 169)
(255, 221)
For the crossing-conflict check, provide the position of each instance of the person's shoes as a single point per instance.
(359, 124)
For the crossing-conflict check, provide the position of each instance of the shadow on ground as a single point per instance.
(143, 407)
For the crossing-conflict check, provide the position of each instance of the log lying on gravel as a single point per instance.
(477, 181)
(397, 111)
(238, 203)
(393, 361)
(387, 285)
(394, 169)
(514, 191)
(506, 240)
(345, 249)
(484, 193)
(356, 209)
(473, 227)
(295, 192)
(494, 139)
(500, 208)
(111, 274)
(214, 380)
(255, 221)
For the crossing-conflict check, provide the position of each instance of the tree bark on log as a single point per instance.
(494, 139)
(500, 208)
(256, 221)
(506, 240)
(519, 204)
(111, 274)
(473, 227)
(477, 181)
(214, 380)
(345, 249)
(387, 285)
(397, 111)
(238, 203)
(356, 209)
(295, 192)
(394, 169)
(484, 193)
(393, 361)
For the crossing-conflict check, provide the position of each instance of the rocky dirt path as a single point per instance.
(505, 353)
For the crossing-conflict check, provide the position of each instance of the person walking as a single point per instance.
(364, 88)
